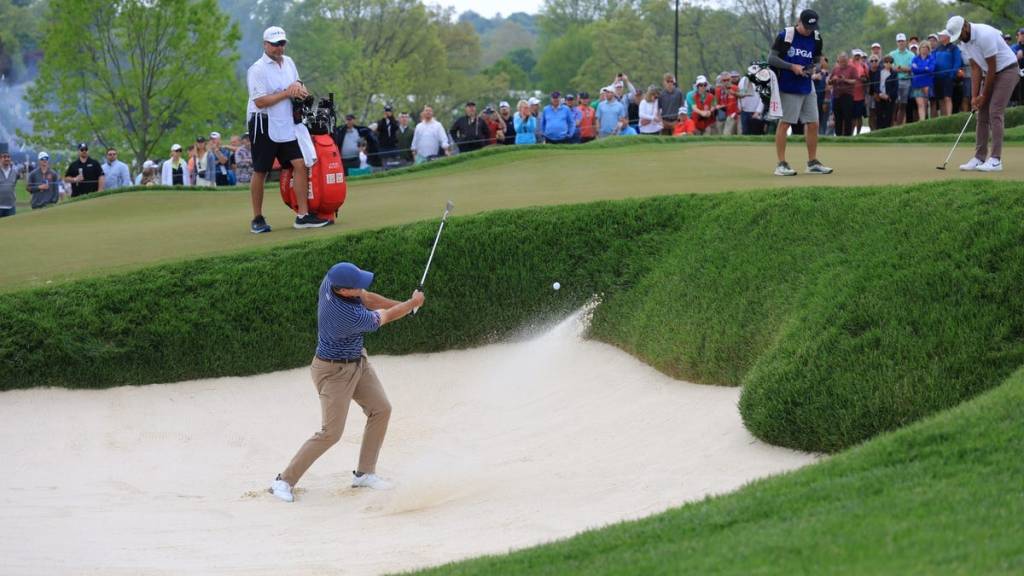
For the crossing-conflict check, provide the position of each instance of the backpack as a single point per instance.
(783, 45)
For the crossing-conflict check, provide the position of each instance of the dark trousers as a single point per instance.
(883, 114)
(844, 115)
(4, 212)
(750, 126)
(350, 164)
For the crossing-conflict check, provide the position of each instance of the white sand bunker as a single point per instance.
(492, 449)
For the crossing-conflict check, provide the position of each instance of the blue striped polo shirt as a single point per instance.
(341, 324)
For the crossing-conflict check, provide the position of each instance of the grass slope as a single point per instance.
(127, 231)
(940, 497)
(944, 125)
(843, 312)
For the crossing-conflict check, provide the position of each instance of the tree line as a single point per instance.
(143, 74)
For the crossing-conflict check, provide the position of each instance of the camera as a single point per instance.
(320, 117)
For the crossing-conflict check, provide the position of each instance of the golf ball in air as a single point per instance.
(556, 286)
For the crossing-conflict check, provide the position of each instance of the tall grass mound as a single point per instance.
(940, 497)
(841, 312)
(944, 125)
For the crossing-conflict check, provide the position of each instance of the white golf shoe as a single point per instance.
(371, 481)
(971, 165)
(282, 490)
(991, 165)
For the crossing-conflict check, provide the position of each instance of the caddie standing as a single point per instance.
(797, 50)
(342, 373)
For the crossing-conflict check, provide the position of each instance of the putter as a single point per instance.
(943, 167)
(444, 218)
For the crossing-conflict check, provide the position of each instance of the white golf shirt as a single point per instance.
(267, 77)
(986, 42)
(429, 138)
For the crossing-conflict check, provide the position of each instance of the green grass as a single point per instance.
(127, 231)
(940, 497)
(842, 312)
(945, 125)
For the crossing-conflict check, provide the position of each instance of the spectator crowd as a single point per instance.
(916, 80)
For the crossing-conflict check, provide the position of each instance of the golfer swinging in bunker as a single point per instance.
(342, 373)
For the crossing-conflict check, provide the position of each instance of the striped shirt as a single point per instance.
(341, 323)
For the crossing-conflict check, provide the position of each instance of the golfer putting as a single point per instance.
(341, 372)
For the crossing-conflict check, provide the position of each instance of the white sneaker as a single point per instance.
(371, 481)
(991, 165)
(282, 490)
(783, 169)
(971, 165)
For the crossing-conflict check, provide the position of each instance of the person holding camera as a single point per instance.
(273, 82)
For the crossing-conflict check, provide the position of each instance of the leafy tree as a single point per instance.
(515, 76)
(130, 76)
(769, 16)
(19, 34)
(1010, 13)
(562, 58)
(525, 59)
(507, 37)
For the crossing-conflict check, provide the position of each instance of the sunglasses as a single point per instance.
(278, 44)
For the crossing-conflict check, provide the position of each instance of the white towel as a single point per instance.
(306, 145)
(775, 102)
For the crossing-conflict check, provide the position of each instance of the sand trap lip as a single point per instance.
(495, 448)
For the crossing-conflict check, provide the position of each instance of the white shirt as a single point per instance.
(650, 111)
(986, 42)
(429, 138)
(266, 77)
(750, 103)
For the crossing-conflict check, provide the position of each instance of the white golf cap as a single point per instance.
(214, 134)
(901, 37)
(914, 46)
(876, 45)
(701, 80)
(176, 148)
(954, 27)
(148, 164)
(503, 104)
(944, 33)
(274, 34)
(533, 101)
(44, 156)
(607, 89)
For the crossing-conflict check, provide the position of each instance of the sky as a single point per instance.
(488, 8)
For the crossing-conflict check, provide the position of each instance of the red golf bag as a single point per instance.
(327, 189)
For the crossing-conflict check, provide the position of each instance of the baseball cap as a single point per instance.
(470, 103)
(876, 45)
(914, 47)
(274, 34)
(556, 94)
(388, 108)
(148, 164)
(701, 80)
(214, 135)
(533, 100)
(44, 156)
(570, 96)
(200, 139)
(930, 36)
(503, 104)
(901, 37)
(809, 18)
(350, 116)
(954, 26)
(348, 275)
(1020, 31)
(83, 146)
(607, 89)
(176, 148)
(488, 110)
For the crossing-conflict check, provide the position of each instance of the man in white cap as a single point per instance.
(902, 58)
(991, 57)
(42, 184)
(175, 170)
(273, 81)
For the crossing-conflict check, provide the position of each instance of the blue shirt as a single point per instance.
(922, 69)
(947, 61)
(577, 117)
(608, 116)
(526, 130)
(116, 175)
(557, 123)
(800, 52)
(341, 323)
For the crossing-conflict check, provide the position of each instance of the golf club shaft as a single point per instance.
(957, 143)
(433, 249)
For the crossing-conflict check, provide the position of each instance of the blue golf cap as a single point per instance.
(348, 275)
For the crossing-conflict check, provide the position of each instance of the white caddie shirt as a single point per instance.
(266, 77)
(986, 42)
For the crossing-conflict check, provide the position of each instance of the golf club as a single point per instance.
(943, 167)
(444, 218)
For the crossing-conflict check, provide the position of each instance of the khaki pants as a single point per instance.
(991, 116)
(338, 385)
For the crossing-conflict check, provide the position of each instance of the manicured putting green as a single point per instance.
(125, 231)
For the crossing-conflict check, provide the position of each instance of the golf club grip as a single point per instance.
(418, 289)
